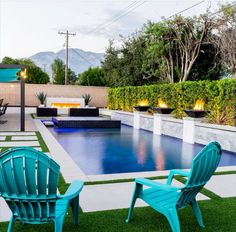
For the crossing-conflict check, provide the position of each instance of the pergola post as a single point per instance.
(22, 104)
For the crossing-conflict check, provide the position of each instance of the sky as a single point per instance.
(31, 26)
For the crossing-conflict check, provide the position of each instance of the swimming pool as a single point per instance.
(108, 151)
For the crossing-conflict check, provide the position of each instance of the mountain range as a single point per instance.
(79, 60)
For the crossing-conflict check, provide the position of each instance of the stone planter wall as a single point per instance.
(203, 132)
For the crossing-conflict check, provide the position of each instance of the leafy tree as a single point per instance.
(175, 45)
(92, 77)
(72, 77)
(132, 57)
(58, 73)
(35, 74)
(111, 66)
(207, 65)
(123, 66)
(225, 36)
(171, 51)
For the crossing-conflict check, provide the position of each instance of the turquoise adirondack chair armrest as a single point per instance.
(151, 183)
(73, 190)
(176, 172)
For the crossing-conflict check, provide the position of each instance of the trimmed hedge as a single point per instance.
(219, 97)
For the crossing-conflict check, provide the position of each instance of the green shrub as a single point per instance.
(219, 97)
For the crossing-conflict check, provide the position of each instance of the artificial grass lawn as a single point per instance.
(41, 141)
(218, 216)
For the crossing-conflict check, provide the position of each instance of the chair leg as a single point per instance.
(197, 213)
(75, 210)
(58, 224)
(173, 219)
(137, 190)
(10, 225)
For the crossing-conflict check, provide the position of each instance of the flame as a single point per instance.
(161, 104)
(199, 105)
(143, 103)
(65, 105)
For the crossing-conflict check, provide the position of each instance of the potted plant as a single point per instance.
(42, 98)
(87, 98)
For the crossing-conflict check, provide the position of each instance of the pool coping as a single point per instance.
(71, 171)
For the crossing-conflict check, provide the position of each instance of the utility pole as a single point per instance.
(67, 33)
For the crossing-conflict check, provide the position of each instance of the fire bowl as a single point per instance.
(196, 113)
(142, 108)
(163, 110)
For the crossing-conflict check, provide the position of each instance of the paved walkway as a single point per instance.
(114, 196)
(118, 195)
(18, 139)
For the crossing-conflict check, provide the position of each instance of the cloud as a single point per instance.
(124, 25)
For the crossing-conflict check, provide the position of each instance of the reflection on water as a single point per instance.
(141, 153)
(160, 160)
(103, 151)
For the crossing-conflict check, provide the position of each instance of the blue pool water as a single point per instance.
(106, 151)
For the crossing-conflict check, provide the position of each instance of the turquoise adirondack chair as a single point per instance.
(167, 199)
(28, 183)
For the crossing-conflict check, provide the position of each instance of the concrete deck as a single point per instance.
(13, 122)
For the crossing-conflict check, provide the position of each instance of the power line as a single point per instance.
(214, 13)
(185, 9)
(125, 13)
(122, 13)
(121, 16)
(81, 56)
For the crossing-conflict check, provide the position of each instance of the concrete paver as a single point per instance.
(20, 144)
(114, 196)
(223, 185)
(26, 138)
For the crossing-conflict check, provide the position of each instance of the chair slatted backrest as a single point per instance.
(202, 168)
(28, 182)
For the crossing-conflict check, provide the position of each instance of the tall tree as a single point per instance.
(35, 74)
(174, 45)
(58, 73)
(92, 77)
(111, 66)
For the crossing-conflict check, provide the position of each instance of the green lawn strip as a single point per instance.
(33, 115)
(8, 138)
(41, 142)
(218, 216)
(224, 173)
(121, 180)
(204, 191)
(4, 149)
